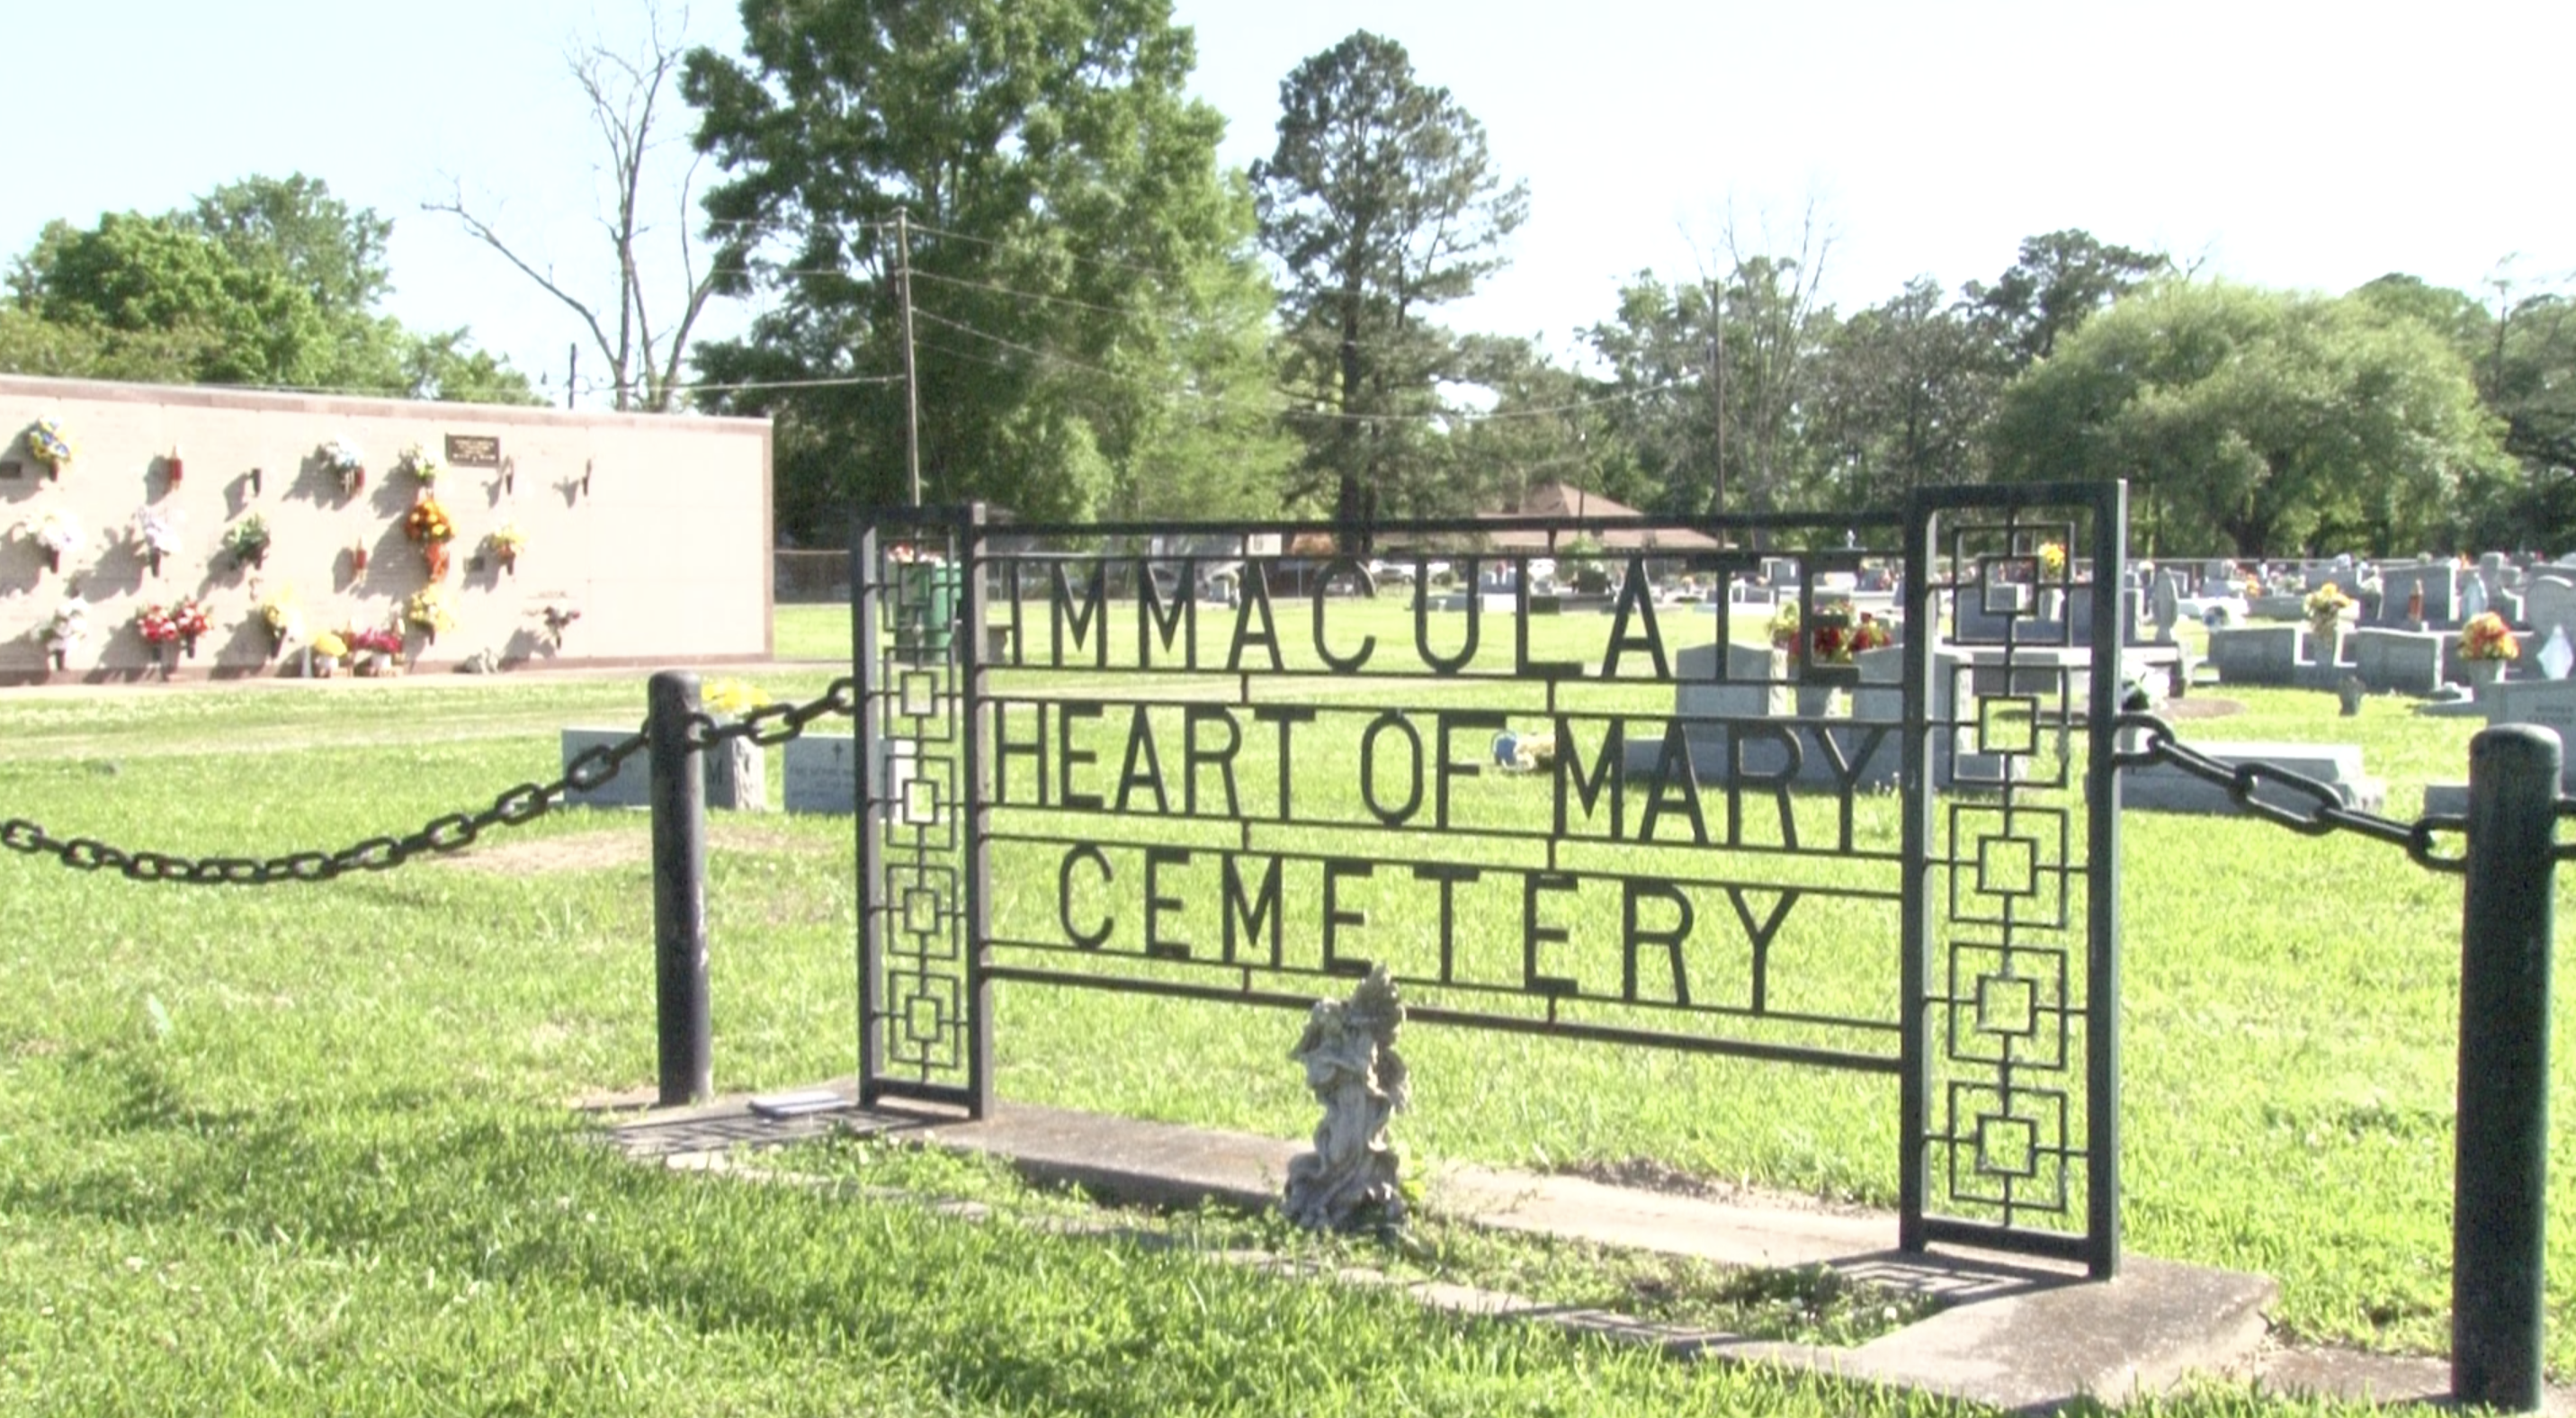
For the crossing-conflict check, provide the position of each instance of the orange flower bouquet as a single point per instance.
(428, 524)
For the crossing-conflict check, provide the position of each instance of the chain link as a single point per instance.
(523, 804)
(2328, 812)
(773, 724)
(589, 770)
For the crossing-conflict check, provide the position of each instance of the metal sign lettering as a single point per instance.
(473, 450)
(1845, 802)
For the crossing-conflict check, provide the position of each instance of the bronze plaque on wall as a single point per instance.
(473, 450)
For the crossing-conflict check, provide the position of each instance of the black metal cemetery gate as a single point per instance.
(1570, 777)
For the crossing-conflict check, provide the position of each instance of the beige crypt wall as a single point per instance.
(655, 530)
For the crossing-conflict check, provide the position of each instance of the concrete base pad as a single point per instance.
(2015, 1333)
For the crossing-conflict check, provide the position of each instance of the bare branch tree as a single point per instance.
(625, 92)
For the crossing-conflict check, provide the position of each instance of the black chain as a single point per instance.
(774, 724)
(2240, 780)
(589, 769)
(770, 724)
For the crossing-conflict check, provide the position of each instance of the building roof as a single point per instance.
(1558, 500)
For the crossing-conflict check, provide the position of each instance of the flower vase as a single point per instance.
(325, 666)
(509, 562)
(152, 557)
(2484, 672)
(58, 659)
(188, 646)
(2325, 639)
(358, 560)
(53, 559)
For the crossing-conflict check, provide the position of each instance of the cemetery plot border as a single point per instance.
(1176, 761)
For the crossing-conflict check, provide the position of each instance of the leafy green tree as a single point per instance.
(1718, 378)
(267, 281)
(1076, 261)
(2255, 420)
(2061, 280)
(1381, 202)
(2522, 351)
(1903, 392)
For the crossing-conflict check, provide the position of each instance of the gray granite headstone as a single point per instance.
(2473, 599)
(2547, 702)
(822, 775)
(735, 776)
(2549, 602)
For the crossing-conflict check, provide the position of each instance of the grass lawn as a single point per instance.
(306, 1148)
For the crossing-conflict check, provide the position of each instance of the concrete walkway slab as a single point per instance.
(2018, 1334)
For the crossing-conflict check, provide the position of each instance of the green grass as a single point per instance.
(306, 1149)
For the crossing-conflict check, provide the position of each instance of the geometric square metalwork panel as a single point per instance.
(2016, 864)
(2007, 1006)
(929, 1021)
(2007, 1147)
(928, 916)
(2008, 724)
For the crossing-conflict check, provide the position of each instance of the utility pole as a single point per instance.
(911, 379)
(572, 366)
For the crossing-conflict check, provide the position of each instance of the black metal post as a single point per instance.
(2502, 1160)
(679, 800)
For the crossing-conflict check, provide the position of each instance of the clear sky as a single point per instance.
(2288, 144)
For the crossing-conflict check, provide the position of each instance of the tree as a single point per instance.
(2261, 421)
(627, 94)
(1718, 377)
(266, 281)
(2059, 282)
(1904, 389)
(1379, 201)
(2523, 354)
(1076, 265)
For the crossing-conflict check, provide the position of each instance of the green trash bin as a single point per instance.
(925, 610)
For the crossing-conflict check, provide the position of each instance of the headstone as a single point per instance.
(2548, 602)
(2399, 661)
(2550, 703)
(2473, 599)
(822, 775)
(2166, 604)
(2162, 787)
(735, 779)
(2257, 654)
(2412, 596)
(2220, 578)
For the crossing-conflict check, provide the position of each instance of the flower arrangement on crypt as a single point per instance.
(157, 532)
(2487, 637)
(49, 446)
(283, 613)
(506, 543)
(426, 609)
(57, 532)
(247, 541)
(375, 651)
(429, 525)
(2324, 608)
(1783, 626)
(2052, 560)
(731, 698)
(417, 462)
(343, 461)
(67, 631)
(179, 623)
(1838, 643)
(329, 649)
